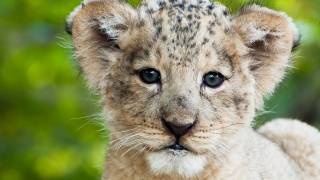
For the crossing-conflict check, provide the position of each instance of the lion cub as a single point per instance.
(180, 82)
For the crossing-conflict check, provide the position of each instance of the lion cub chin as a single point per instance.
(180, 162)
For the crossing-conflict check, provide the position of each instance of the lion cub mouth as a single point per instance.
(177, 149)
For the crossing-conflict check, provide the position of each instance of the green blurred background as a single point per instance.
(49, 121)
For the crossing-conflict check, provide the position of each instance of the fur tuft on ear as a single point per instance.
(271, 37)
(70, 18)
(104, 31)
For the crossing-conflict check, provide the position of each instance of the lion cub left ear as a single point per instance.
(271, 37)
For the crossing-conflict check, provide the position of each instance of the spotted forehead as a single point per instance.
(186, 27)
(186, 14)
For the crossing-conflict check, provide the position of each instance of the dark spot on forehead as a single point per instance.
(162, 4)
(190, 7)
(164, 38)
(181, 6)
(210, 6)
(211, 32)
(205, 41)
(179, 19)
(150, 11)
(159, 30)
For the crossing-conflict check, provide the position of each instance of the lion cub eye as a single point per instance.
(213, 79)
(149, 76)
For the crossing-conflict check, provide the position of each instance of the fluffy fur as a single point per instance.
(183, 40)
(171, 162)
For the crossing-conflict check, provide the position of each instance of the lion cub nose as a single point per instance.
(178, 130)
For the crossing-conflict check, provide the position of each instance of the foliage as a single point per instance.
(50, 126)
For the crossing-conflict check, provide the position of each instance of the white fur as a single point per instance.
(108, 23)
(293, 27)
(73, 14)
(194, 2)
(154, 5)
(299, 140)
(171, 162)
(256, 33)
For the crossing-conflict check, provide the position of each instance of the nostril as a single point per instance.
(178, 129)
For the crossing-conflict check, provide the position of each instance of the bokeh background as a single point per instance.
(50, 126)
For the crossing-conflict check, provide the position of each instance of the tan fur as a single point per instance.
(184, 40)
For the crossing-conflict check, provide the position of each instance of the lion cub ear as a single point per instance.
(103, 31)
(110, 22)
(271, 36)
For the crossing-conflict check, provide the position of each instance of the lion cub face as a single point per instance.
(179, 80)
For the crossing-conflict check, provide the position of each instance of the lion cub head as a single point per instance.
(179, 79)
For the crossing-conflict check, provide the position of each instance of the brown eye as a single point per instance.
(149, 76)
(213, 79)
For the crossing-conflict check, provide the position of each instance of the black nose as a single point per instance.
(178, 129)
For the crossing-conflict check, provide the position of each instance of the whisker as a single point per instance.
(131, 148)
(140, 151)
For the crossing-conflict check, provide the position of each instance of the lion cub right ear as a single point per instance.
(103, 31)
(110, 21)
